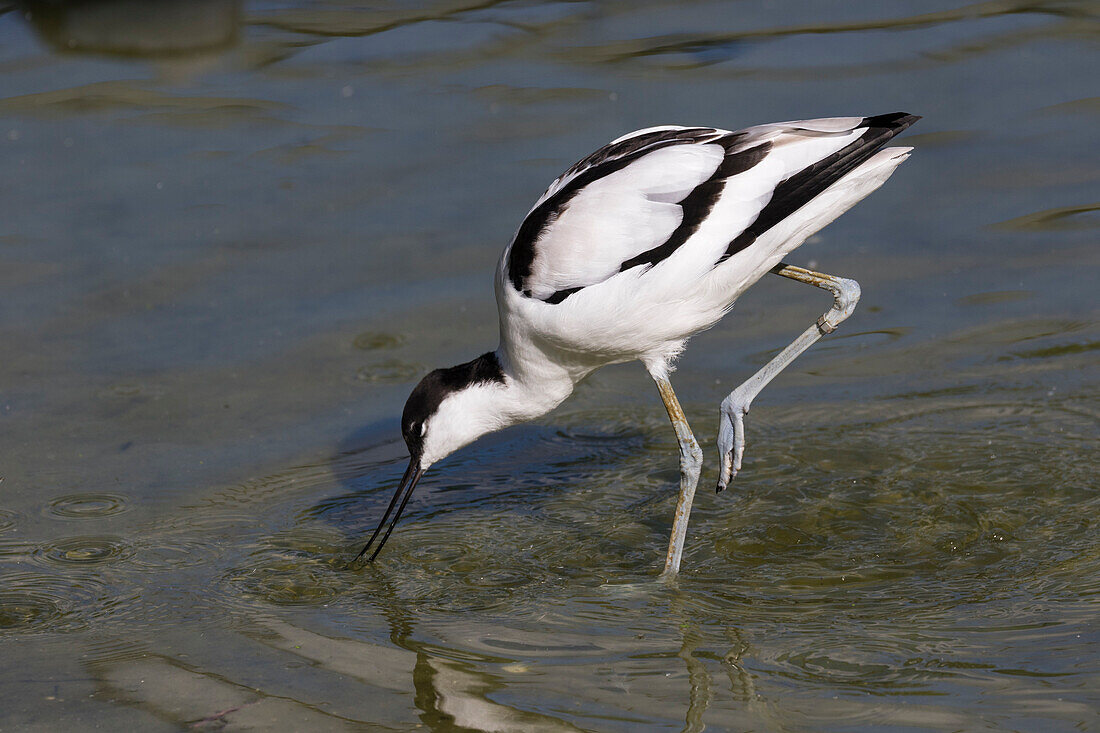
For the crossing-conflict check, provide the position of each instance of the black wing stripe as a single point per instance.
(638, 143)
(700, 202)
(603, 162)
(559, 295)
(798, 190)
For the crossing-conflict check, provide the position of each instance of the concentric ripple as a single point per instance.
(88, 505)
(34, 602)
(87, 550)
(8, 519)
(390, 371)
(376, 340)
(22, 611)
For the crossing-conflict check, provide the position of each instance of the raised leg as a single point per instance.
(731, 427)
(691, 461)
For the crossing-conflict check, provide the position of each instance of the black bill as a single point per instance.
(408, 483)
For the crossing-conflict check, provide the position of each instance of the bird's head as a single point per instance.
(449, 408)
(452, 408)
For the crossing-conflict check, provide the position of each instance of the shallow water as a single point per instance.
(234, 235)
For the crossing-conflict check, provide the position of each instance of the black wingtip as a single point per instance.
(895, 121)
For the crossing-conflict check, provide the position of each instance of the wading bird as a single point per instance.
(629, 253)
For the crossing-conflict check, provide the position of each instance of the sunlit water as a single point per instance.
(233, 235)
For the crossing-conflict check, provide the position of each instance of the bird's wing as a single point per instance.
(620, 201)
(805, 158)
(636, 201)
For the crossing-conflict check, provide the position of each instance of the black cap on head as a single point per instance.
(436, 386)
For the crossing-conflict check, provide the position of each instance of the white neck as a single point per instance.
(533, 385)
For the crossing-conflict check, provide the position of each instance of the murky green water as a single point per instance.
(233, 235)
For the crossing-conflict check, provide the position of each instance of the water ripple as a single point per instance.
(8, 519)
(33, 602)
(88, 550)
(90, 505)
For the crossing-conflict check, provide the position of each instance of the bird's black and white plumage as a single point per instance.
(637, 247)
(639, 199)
(669, 226)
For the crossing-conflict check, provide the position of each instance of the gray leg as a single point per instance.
(691, 461)
(731, 427)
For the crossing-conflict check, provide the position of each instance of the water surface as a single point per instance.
(233, 236)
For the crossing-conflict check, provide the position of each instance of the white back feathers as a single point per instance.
(649, 194)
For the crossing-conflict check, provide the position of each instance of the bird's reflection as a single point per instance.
(135, 27)
(741, 682)
(699, 692)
